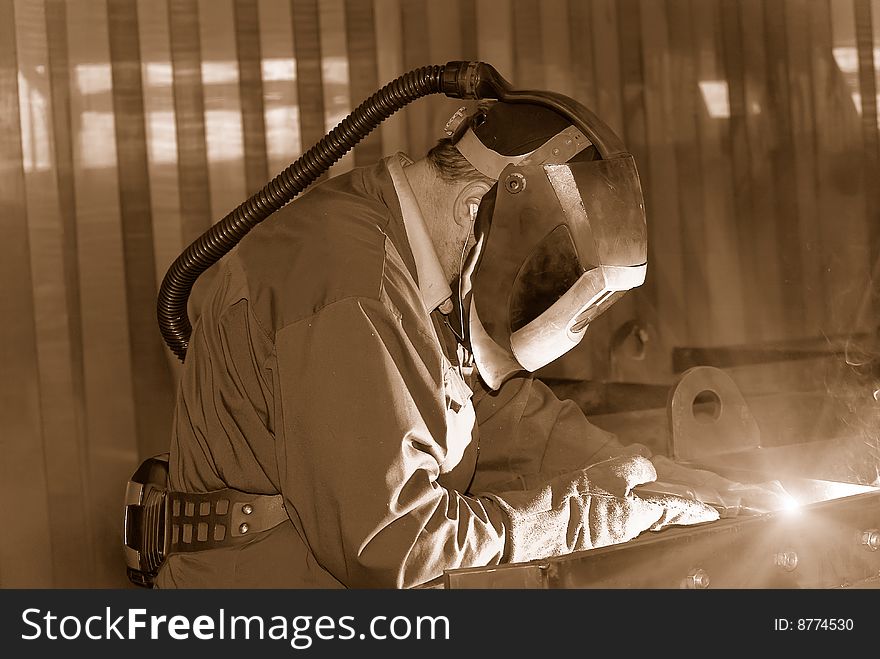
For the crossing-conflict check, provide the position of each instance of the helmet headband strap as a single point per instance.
(560, 148)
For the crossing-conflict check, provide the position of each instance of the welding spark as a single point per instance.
(787, 504)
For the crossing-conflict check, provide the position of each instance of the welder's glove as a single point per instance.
(591, 507)
(760, 497)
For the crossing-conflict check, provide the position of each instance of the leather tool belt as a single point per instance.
(159, 522)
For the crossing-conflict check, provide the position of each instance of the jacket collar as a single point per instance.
(433, 286)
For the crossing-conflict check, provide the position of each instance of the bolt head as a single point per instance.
(871, 539)
(243, 528)
(247, 509)
(697, 580)
(787, 560)
(515, 183)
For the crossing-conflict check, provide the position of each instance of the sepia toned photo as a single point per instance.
(417, 295)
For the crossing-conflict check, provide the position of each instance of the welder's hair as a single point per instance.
(450, 165)
(448, 162)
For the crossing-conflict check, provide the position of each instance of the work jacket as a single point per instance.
(320, 368)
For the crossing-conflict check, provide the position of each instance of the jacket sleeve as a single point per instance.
(528, 435)
(361, 435)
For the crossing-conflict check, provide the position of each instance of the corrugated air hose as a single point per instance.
(212, 245)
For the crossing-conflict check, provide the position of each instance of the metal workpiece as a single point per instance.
(809, 547)
(828, 538)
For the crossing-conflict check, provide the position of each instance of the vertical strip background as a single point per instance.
(127, 127)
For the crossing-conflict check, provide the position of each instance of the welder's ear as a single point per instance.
(468, 201)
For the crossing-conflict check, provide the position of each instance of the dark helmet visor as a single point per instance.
(548, 273)
(554, 232)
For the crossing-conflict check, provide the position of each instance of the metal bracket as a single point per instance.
(708, 416)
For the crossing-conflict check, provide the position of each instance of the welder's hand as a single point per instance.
(761, 497)
(592, 507)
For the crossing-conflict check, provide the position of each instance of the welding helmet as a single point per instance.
(560, 237)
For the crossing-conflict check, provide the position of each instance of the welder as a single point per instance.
(359, 388)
